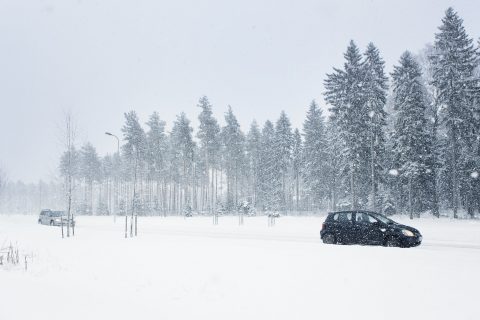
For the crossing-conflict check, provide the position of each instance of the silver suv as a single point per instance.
(54, 218)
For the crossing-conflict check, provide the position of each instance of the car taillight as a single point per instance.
(323, 225)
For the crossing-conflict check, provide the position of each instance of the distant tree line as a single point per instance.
(409, 144)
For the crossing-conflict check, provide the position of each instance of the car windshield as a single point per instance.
(383, 218)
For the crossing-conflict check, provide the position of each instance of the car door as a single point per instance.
(333, 225)
(345, 230)
(367, 229)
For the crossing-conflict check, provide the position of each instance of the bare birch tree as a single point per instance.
(68, 166)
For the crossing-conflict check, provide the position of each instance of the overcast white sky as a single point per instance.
(103, 58)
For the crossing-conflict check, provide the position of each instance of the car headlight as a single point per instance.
(407, 233)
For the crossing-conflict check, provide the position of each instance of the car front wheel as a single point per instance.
(329, 239)
(392, 242)
(51, 223)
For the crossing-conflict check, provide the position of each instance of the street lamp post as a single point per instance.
(118, 141)
(116, 179)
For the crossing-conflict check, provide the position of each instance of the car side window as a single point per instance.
(345, 217)
(362, 217)
(335, 217)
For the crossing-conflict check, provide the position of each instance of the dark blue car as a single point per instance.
(370, 228)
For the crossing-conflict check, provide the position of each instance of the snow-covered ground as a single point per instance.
(189, 269)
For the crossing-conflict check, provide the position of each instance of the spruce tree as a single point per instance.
(183, 148)
(334, 165)
(297, 165)
(412, 140)
(253, 150)
(315, 155)
(283, 143)
(268, 177)
(345, 92)
(234, 155)
(454, 62)
(375, 99)
(209, 135)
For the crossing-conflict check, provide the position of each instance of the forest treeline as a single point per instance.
(406, 142)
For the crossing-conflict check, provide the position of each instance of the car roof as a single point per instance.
(351, 211)
(345, 211)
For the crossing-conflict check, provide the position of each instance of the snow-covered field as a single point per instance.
(189, 269)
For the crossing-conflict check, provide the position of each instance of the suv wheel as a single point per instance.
(51, 222)
(329, 239)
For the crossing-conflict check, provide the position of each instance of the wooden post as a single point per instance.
(126, 223)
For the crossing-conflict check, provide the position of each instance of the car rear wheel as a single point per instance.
(329, 239)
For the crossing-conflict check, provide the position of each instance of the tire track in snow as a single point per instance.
(282, 237)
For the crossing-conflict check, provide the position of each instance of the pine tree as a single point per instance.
(454, 62)
(135, 150)
(90, 171)
(134, 135)
(72, 168)
(107, 174)
(412, 140)
(157, 157)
